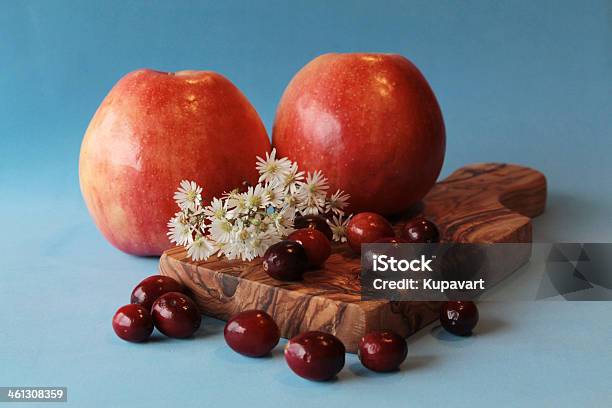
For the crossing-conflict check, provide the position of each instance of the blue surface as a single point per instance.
(524, 82)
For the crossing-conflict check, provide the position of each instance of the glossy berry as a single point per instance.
(176, 315)
(147, 291)
(421, 231)
(286, 261)
(133, 323)
(459, 317)
(315, 222)
(382, 351)
(315, 244)
(368, 256)
(367, 227)
(253, 333)
(315, 355)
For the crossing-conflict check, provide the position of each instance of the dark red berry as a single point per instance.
(459, 317)
(176, 315)
(367, 227)
(253, 333)
(421, 231)
(315, 355)
(315, 244)
(394, 241)
(286, 261)
(133, 323)
(315, 222)
(382, 351)
(147, 291)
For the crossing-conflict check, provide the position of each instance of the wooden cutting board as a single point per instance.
(479, 203)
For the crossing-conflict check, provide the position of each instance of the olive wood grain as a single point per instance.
(479, 203)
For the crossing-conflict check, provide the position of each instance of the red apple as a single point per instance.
(153, 130)
(370, 122)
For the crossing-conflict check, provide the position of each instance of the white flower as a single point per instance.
(239, 231)
(309, 204)
(189, 195)
(219, 247)
(221, 230)
(293, 178)
(272, 195)
(282, 221)
(258, 223)
(200, 249)
(243, 225)
(217, 210)
(311, 193)
(253, 198)
(258, 244)
(338, 227)
(236, 205)
(337, 202)
(229, 194)
(291, 199)
(180, 231)
(233, 250)
(271, 169)
(236, 248)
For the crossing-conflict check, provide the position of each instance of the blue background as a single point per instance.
(520, 81)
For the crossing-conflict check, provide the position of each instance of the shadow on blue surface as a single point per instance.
(484, 328)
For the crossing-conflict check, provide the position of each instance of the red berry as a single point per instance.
(421, 231)
(315, 355)
(382, 351)
(368, 257)
(459, 317)
(315, 222)
(285, 260)
(367, 227)
(133, 323)
(315, 244)
(253, 333)
(147, 291)
(176, 315)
